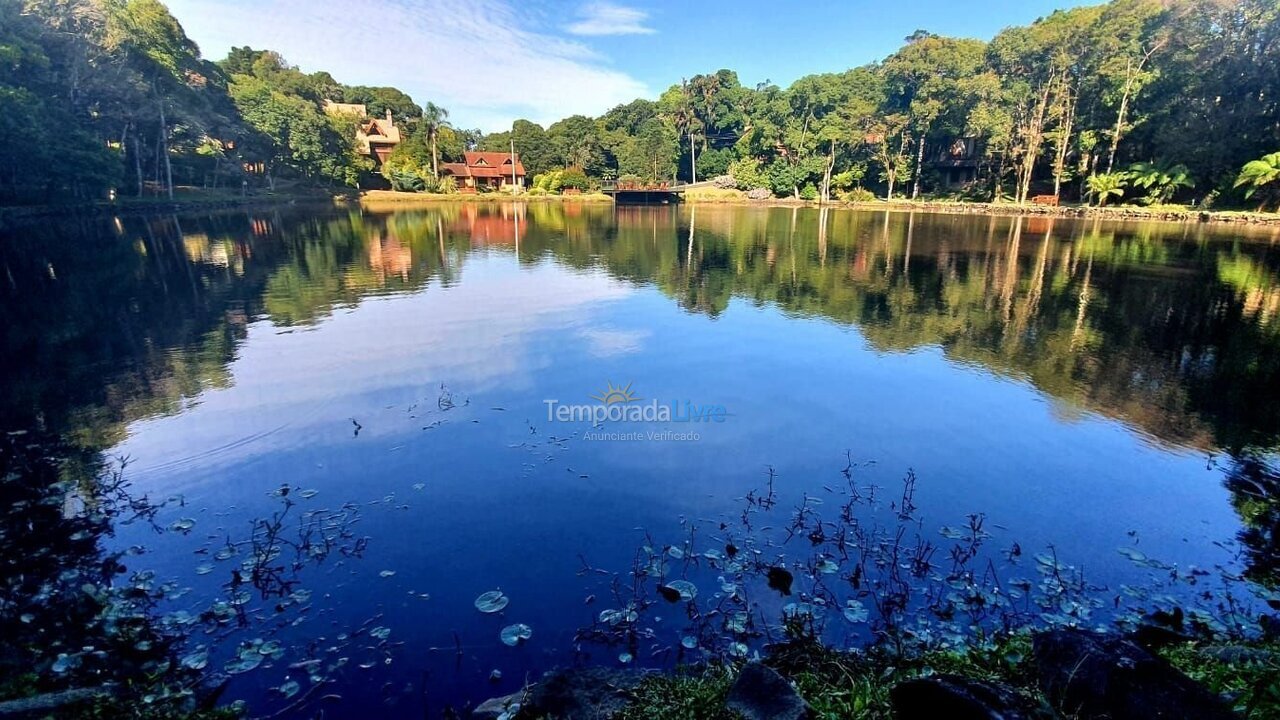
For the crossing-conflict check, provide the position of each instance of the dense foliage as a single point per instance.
(1158, 100)
(111, 95)
(1136, 100)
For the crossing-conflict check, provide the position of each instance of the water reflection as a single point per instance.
(228, 351)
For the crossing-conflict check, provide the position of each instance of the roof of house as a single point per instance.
(478, 164)
(380, 131)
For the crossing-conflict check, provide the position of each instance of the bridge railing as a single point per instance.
(640, 187)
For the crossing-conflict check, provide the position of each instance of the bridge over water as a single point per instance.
(650, 193)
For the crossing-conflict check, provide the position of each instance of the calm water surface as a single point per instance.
(1086, 385)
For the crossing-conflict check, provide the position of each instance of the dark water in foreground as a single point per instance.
(1085, 385)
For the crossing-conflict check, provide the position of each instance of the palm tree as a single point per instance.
(1260, 172)
(434, 118)
(1160, 181)
(1105, 185)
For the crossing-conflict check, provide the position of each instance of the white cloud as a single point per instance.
(487, 61)
(605, 18)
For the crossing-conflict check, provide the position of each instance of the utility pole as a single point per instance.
(513, 172)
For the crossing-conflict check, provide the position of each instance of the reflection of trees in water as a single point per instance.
(1255, 495)
(75, 628)
(1164, 326)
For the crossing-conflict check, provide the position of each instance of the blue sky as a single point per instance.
(492, 61)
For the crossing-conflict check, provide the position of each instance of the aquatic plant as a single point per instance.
(868, 574)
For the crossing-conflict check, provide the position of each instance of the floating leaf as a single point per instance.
(308, 494)
(801, 609)
(243, 664)
(828, 567)
(289, 689)
(624, 658)
(689, 642)
(183, 525)
(381, 632)
(492, 601)
(387, 573)
(513, 635)
(854, 611)
(669, 594)
(204, 569)
(684, 590)
(197, 660)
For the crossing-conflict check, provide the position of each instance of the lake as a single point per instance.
(426, 382)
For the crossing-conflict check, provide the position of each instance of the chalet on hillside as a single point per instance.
(485, 171)
(375, 137)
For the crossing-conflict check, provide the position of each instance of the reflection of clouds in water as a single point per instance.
(481, 333)
(606, 342)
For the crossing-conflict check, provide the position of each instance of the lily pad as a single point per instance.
(687, 590)
(513, 635)
(197, 660)
(492, 601)
(855, 611)
(243, 664)
(289, 689)
(183, 525)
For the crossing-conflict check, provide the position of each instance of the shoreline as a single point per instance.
(381, 200)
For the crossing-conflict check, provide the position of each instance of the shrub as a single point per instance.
(724, 181)
(549, 181)
(714, 194)
(574, 178)
(746, 174)
(406, 181)
(858, 195)
(759, 193)
(447, 185)
(809, 192)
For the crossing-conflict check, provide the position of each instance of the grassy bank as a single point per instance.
(1169, 213)
(377, 198)
(843, 685)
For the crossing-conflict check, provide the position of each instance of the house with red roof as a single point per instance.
(375, 137)
(485, 171)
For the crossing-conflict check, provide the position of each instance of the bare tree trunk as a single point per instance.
(915, 187)
(1035, 138)
(1064, 142)
(826, 174)
(164, 146)
(693, 160)
(435, 161)
(1130, 76)
(137, 159)
(1119, 128)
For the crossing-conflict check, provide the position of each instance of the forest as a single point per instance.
(1151, 101)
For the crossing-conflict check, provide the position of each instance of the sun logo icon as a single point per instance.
(612, 395)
